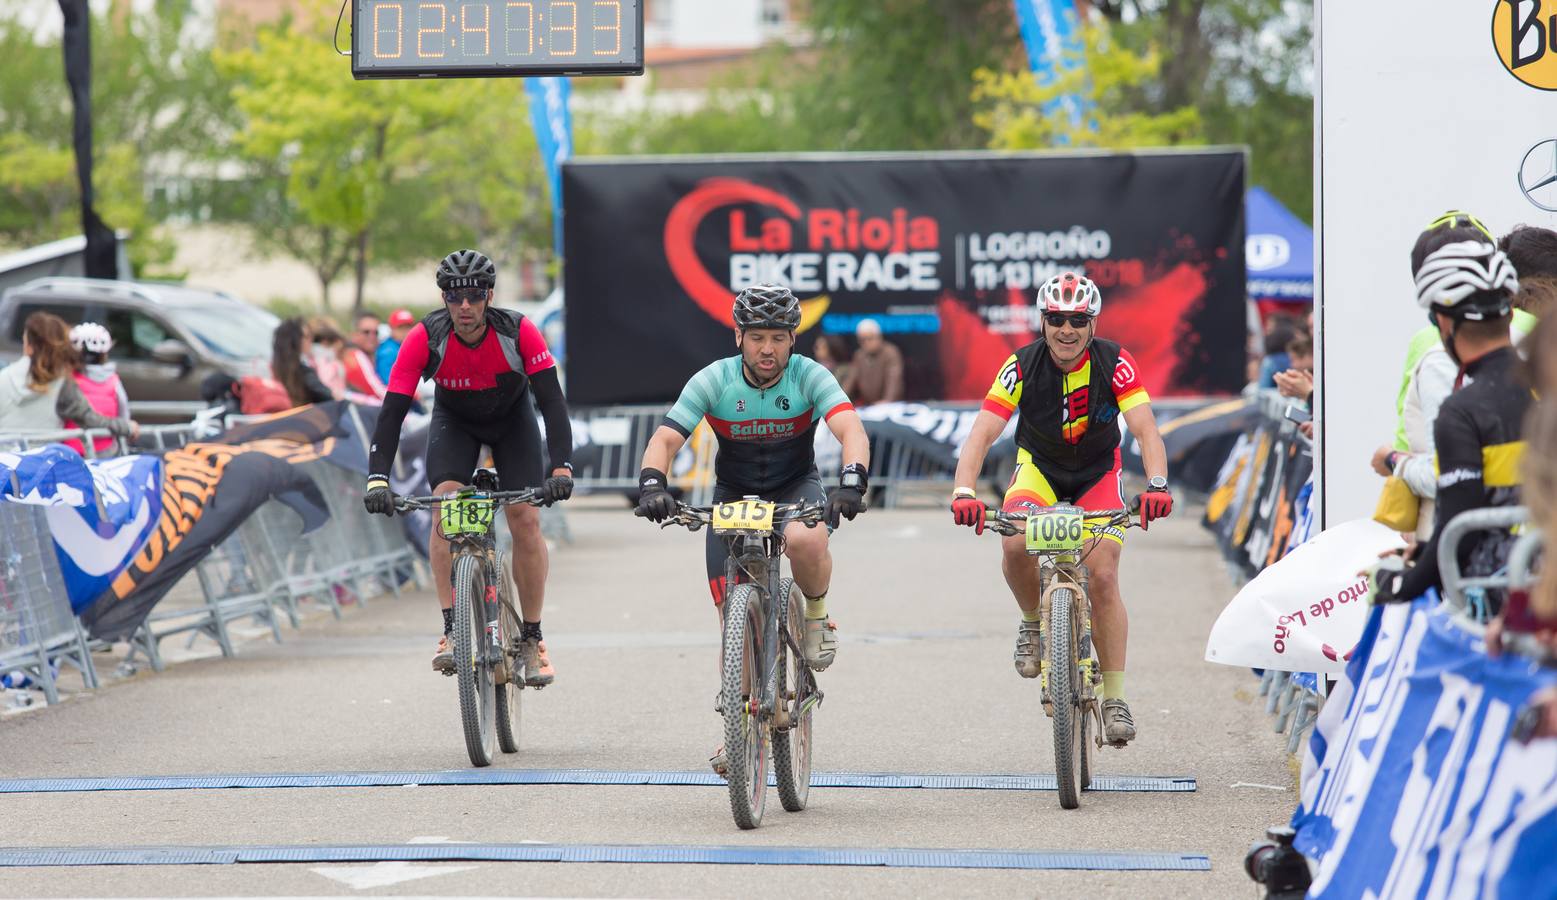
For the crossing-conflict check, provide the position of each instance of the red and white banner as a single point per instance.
(1305, 612)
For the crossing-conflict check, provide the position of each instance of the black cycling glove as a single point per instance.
(654, 500)
(379, 499)
(847, 501)
(557, 487)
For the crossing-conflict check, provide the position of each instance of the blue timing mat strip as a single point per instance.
(1099, 860)
(489, 776)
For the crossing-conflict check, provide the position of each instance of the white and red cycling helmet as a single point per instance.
(1068, 292)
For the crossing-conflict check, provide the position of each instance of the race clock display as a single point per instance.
(486, 38)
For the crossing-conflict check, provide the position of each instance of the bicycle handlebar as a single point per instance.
(530, 496)
(1004, 523)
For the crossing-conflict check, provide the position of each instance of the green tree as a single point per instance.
(156, 102)
(356, 173)
(1019, 113)
(1246, 65)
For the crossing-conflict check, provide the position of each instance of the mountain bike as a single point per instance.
(1071, 678)
(767, 693)
(487, 662)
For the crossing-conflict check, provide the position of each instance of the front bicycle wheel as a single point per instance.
(792, 747)
(472, 670)
(745, 734)
(508, 691)
(1065, 692)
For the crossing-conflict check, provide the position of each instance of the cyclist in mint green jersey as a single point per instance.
(764, 406)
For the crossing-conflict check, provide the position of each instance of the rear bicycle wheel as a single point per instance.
(1065, 691)
(509, 692)
(478, 696)
(745, 734)
(792, 747)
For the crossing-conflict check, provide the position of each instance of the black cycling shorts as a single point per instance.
(454, 448)
(805, 489)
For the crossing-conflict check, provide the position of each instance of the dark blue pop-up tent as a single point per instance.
(1279, 252)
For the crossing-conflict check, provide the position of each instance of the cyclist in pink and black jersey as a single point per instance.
(485, 363)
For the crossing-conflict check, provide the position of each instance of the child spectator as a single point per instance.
(98, 381)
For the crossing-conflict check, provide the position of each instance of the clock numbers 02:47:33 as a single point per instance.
(469, 29)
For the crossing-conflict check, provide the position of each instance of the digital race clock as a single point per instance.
(475, 38)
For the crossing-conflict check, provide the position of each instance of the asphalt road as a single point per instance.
(923, 684)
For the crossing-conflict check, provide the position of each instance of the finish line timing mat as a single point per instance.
(1095, 860)
(490, 776)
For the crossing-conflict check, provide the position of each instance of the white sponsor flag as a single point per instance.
(1306, 612)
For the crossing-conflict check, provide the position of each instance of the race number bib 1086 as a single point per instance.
(465, 515)
(744, 516)
(1057, 529)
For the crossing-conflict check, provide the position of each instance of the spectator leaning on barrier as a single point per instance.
(876, 374)
(290, 367)
(1279, 332)
(38, 392)
(1427, 381)
(325, 355)
(1467, 288)
(400, 324)
(1297, 382)
(98, 381)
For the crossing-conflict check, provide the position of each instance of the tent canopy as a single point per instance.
(1279, 251)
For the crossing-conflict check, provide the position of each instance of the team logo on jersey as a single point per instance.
(1009, 376)
(783, 403)
(1073, 413)
(740, 406)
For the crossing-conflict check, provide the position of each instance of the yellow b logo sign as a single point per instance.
(1525, 35)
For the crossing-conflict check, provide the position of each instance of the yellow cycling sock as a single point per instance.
(1113, 685)
(1034, 616)
(816, 607)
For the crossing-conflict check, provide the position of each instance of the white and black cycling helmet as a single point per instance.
(466, 269)
(1069, 292)
(91, 337)
(1471, 280)
(767, 306)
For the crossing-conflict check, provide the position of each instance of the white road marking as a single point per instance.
(384, 874)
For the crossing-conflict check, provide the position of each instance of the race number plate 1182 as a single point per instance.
(744, 517)
(1057, 529)
(464, 515)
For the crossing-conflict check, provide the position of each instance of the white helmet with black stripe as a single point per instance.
(1467, 280)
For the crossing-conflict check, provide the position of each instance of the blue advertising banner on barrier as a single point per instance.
(1411, 784)
(554, 136)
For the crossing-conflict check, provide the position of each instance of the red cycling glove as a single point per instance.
(1155, 505)
(969, 511)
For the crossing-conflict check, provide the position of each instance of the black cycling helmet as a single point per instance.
(767, 306)
(466, 269)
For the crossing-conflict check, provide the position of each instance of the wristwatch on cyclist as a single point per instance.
(854, 476)
(1157, 484)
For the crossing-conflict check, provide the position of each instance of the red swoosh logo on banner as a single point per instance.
(681, 239)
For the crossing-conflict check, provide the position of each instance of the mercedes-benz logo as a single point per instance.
(1538, 175)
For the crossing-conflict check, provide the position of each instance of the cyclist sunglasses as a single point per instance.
(459, 296)
(1076, 320)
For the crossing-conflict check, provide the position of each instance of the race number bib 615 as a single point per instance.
(744, 516)
(1057, 529)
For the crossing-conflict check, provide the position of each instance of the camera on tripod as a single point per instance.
(1277, 865)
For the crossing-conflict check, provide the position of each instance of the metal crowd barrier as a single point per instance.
(38, 631)
(268, 568)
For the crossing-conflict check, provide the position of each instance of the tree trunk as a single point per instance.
(362, 270)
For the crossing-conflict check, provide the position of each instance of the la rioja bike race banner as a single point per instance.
(944, 251)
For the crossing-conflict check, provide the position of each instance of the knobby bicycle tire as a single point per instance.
(745, 744)
(1064, 689)
(507, 707)
(476, 690)
(792, 748)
